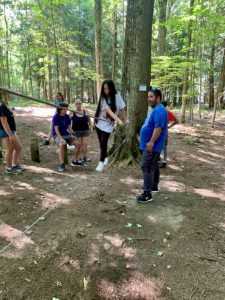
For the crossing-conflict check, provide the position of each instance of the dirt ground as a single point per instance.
(99, 243)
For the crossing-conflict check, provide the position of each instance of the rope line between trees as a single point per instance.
(9, 91)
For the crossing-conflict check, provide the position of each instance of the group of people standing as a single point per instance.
(74, 130)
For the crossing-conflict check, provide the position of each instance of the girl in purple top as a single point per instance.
(61, 132)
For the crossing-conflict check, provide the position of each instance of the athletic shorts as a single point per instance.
(69, 140)
(4, 135)
(83, 133)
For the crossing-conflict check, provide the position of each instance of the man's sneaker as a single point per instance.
(106, 161)
(62, 168)
(45, 143)
(18, 167)
(77, 163)
(145, 197)
(86, 159)
(162, 165)
(155, 189)
(100, 166)
(12, 171)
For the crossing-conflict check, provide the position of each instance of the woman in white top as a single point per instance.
(109, 106)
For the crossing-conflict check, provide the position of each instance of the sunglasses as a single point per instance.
(153, 88)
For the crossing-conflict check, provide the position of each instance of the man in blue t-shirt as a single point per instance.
(152, 137)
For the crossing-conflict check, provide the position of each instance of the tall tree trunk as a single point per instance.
(98, 45)
(7, 45)
(136, 71)
(221, 87)
(82, 80)
(186, 72)
(56, 48)
(114, 42)
(162, 27)
(50, 90)
(211, 76)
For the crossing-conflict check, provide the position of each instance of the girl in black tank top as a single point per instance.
(81, 129)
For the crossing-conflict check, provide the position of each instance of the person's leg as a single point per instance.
(84, 146)
(61, 153)
(156, 178)
(17, 151)
(148, 166)
(8, 152)
(78, 145)
(104, 145)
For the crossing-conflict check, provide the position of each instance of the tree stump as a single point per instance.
(34, 149)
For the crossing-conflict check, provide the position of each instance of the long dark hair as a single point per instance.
(112, 95)
(60, 95)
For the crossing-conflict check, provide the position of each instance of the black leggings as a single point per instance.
(103, 141)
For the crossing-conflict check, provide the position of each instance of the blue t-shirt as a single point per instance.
(158, 117)
(62, 122)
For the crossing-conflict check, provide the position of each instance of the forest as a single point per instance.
(76, 232)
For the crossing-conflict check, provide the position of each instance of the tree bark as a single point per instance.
(98, 46)
(136, 71)
(221, 87)
(186, 72)
(114, 42)
(7, 45)
(211, 76)
(162, 27)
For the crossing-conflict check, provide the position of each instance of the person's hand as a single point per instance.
(120, 122)
(12, 138)
(62, 142)
(127, 121)
(149, 146)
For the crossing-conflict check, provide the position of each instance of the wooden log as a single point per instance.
(34, 149)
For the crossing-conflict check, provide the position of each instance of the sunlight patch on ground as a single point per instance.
(166, 215)
(201, 159)
(137, 287)
(173, 186)
(211, 154)
(23, 186)
(209, 194)
(174, 167)
(4, 193)
(49, 200)
(130, 180)
(115, 240)
(42, 112)
(7, 233)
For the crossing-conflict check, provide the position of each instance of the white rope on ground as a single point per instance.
(41, 218)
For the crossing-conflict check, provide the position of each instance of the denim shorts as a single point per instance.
(69, 140)
(4, 135)
(80, 134)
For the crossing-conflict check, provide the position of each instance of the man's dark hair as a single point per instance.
(61, 106)
(156, 92)
(164, 103)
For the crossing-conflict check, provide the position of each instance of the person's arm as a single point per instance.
(58, 133)
(6, 127)
(124, 116)
(171, 124)
(114, 116)
(70, 129)
(156, 133)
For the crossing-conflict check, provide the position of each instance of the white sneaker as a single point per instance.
(106, 161)
(100, 166)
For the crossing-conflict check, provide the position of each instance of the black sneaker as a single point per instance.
(45, 143)
(155, 189)
(77, 163)
(145, 197)
(162, 165)
(62, 168)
